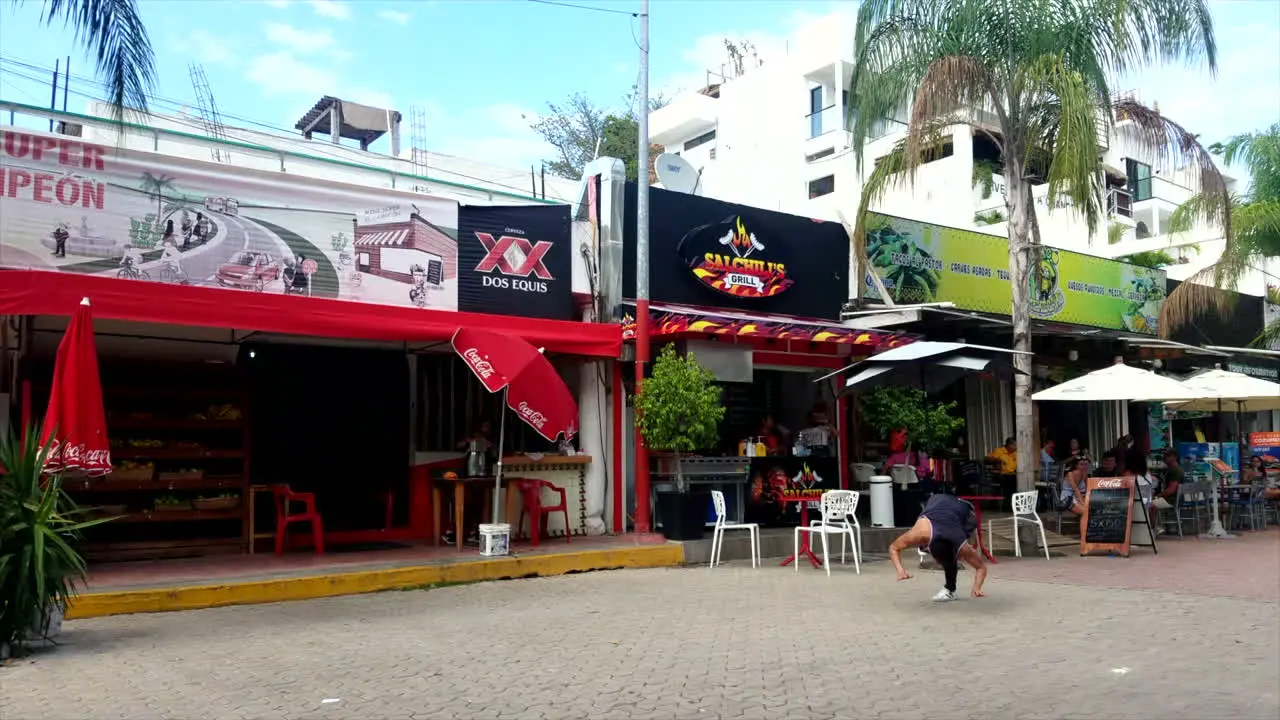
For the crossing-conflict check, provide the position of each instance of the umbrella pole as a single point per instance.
(497, 478)
(1216, 529)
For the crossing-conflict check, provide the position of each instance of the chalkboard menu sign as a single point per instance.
(1108, 516)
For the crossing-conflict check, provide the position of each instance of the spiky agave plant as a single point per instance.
(1036, 77)
(39, 527)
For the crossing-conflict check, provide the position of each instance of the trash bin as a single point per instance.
(881, 501)
(682, 515)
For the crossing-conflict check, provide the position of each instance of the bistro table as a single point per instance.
(977, 501)
(805, 549)
(460, 486)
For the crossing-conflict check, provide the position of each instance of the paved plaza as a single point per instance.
(1067, 638)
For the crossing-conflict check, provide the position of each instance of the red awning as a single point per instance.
(39, 292)
(674, 321)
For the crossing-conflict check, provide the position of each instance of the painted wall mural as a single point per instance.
(75, 207)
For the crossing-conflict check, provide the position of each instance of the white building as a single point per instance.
(774, 137)
(426, 172)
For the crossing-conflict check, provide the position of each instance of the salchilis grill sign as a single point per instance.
(729, 257)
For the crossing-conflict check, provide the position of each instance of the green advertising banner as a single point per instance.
(920, 263)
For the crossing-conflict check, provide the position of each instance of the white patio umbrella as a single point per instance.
(1225, 391)
(1118, 382)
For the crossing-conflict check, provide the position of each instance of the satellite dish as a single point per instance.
(675, 173)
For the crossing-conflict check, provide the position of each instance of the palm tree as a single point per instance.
(1251, 231)
(157, 185)
(1035, 77)
(111, 31)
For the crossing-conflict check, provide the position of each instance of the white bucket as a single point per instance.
(495, 539)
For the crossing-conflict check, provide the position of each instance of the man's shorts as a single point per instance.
(1161, 504)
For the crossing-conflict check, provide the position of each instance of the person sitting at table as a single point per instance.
(1135, 466)
(1047, 460)
(1073, 486)
(1256, 472)
(1075, 448)
(905, 456)
(482, 431)
(1005, 457)
(1108, 465)
(1167, 496)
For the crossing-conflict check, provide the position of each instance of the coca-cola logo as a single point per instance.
(68, 455)
(531, 416)
(1110, 484)
(483, 367)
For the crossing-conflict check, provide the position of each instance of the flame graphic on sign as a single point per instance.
(742, 244)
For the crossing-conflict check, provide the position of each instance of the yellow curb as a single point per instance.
(194, 597)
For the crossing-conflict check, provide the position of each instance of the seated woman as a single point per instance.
(1073, 485)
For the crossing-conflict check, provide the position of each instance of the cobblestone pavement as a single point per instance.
(678, 643)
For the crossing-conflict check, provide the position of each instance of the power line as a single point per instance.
(573, 6)
(318, 149)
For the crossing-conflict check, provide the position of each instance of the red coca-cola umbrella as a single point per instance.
(530, 386)
(75, 423)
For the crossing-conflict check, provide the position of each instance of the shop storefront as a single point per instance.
(756, 296)
(1085, 311)
(257, 328)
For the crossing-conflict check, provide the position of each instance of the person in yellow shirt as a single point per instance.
(1006, 457)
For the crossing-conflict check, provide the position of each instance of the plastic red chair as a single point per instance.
(286, 500)
(531, 493)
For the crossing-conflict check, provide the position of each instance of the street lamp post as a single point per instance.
(643, 524)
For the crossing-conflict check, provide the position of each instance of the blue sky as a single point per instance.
(482, 68)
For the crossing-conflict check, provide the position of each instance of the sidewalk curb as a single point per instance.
(193, 597)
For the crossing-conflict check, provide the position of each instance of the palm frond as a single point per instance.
(1171, 145)
(1269, 337)
(114, 35)
(1196, 295)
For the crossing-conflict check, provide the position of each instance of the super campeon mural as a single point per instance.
(75, 207)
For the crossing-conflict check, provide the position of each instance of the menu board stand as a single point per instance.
(1111, 509)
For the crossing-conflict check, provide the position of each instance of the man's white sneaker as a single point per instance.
(944, 595)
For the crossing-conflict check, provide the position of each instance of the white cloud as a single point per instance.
(330, 9)
(1242, 98)
(707, 59)
(281, 74)
(496, 134)
(207, 47)
(277, 4)
(395, 16)
(372, 98)
(298, 41)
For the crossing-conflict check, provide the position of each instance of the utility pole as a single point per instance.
(642, 268)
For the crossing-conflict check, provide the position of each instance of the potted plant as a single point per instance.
(39, 527)
(679, 411)
(931, 425)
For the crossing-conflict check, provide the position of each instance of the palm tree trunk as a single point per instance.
(1021, 206)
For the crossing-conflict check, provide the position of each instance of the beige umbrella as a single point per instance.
(1222, 390)
(1225, 391)
(1118, 382)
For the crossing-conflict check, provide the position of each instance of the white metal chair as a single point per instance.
(717, 535)
(852, 518)
(836, 507)
(904, 475)
(1024, 511)
(862, 474)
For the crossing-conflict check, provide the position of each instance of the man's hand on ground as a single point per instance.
(904, 575)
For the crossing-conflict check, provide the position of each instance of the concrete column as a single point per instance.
(393, 120)
(335, 123)
(593, 421)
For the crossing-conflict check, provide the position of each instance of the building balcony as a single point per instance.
(827, 130)
(687, 116)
